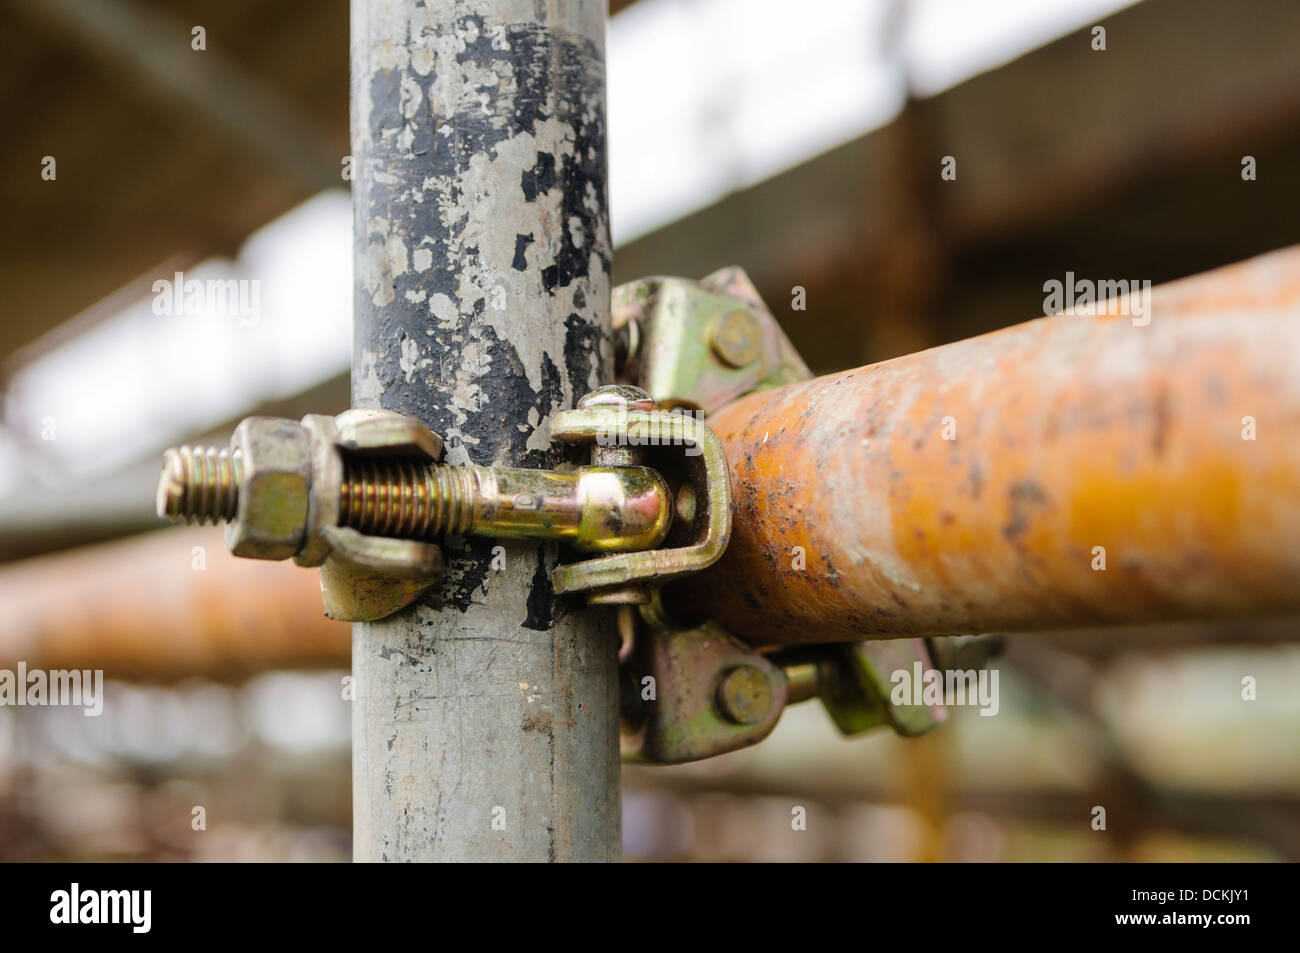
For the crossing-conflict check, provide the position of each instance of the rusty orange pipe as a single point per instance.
(1099, 471)
(164, 606)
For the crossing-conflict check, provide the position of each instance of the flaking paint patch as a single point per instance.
(460, 145)
(410, 360)
(465, 261)
(444, 310)
(366, 387)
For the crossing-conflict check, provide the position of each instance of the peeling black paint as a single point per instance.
(521, 245)
(540, 178)
(488, 431)
(581, 352)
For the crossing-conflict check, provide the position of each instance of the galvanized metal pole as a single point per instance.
(485, 724)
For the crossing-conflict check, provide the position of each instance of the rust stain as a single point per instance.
(1071, 433)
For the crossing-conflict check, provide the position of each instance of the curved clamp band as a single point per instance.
(703, 500)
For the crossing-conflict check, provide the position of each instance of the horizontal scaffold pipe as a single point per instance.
(1138, 461)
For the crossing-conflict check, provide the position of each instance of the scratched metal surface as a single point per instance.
(485, 726)
(1069, 433)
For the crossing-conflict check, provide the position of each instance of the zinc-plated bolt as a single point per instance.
(745, 695)
(598, 509)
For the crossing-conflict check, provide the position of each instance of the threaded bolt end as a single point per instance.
(199, 483)
(389, 497)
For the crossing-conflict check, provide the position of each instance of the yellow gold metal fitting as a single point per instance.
(362, 496)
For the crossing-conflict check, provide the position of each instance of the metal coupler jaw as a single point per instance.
(710, 692)
(284, 490)
(624, 428)
(692, 689)
(362, 496)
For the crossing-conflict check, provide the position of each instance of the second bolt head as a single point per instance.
(745, 695)
(736, 338)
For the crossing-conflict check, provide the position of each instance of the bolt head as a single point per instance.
(745, 695)
(617, 395)
(271, 520)
(736, 338)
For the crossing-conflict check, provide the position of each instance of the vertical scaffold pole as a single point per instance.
(485, 720)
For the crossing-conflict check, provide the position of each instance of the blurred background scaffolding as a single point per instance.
(800, 142)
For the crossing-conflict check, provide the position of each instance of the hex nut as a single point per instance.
(275, 458)
(326, 481)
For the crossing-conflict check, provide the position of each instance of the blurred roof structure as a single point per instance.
(1120, 162)
(164, 153)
